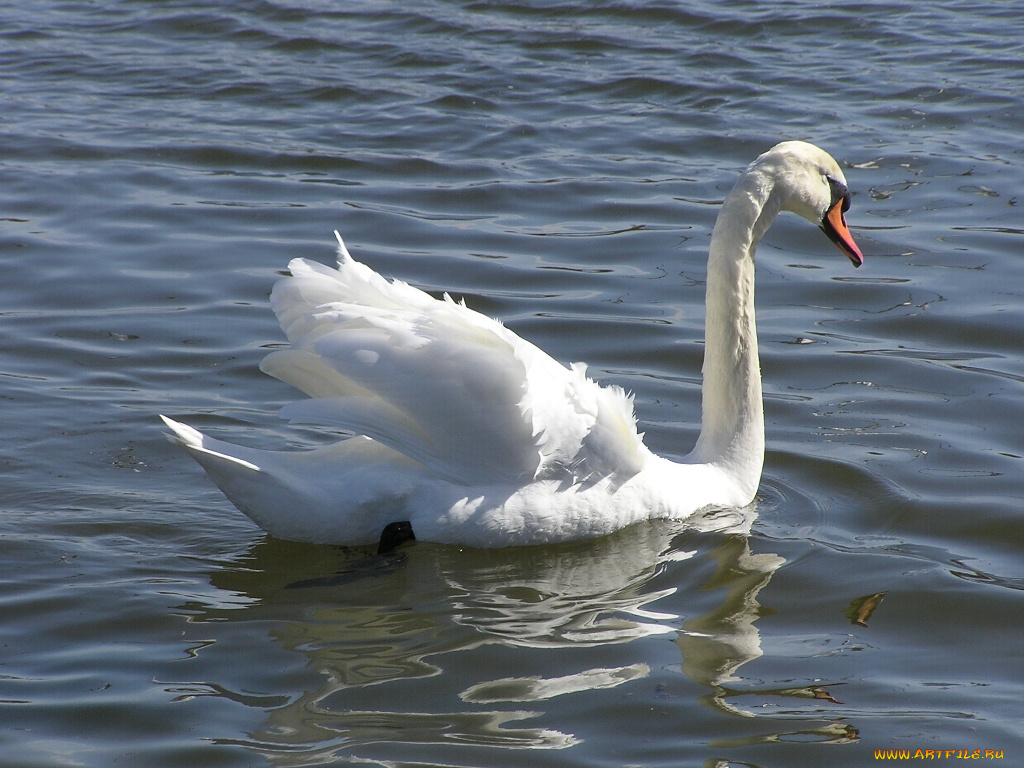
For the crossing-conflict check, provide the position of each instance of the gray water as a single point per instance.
(559, 165)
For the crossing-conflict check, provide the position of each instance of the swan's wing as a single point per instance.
(438, 382)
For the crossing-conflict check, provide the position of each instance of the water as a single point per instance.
(559, 165)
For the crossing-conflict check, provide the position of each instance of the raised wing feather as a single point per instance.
(439, 382)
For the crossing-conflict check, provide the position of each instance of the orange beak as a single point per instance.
(834, 225)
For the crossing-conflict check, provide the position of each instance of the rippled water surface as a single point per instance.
(560, 166)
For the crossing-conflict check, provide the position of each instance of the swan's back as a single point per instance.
(440, 383)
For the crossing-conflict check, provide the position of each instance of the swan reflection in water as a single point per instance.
(413, 647)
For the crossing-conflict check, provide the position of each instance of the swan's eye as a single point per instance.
(839, 192)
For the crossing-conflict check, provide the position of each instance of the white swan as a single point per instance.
(474, 436)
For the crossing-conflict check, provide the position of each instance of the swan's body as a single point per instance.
(476, 436)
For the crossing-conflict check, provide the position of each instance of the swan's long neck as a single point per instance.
(732, 428)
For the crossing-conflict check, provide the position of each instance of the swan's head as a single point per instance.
(812, 185)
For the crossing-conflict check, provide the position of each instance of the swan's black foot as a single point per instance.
(395, 535)
(392, 537)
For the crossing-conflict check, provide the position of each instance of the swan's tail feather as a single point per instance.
(202, 447)
(254, 483)
(343, 493)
